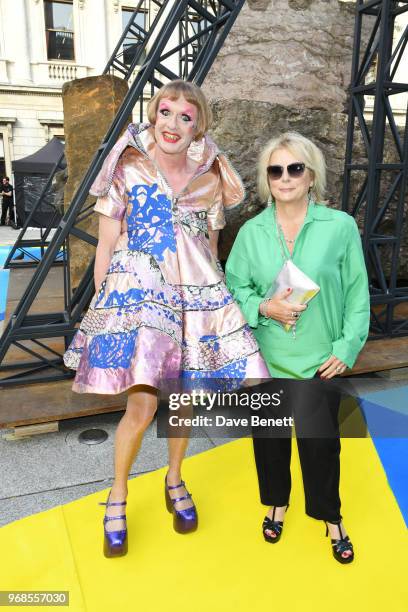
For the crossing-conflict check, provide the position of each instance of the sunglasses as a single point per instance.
(294, 170)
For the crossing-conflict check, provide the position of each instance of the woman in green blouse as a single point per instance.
(326, 335)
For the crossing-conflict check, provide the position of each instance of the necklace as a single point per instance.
(288, 240)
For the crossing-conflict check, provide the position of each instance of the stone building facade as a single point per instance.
(44, 44)
(295, 53)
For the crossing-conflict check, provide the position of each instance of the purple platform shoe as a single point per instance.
(184, 521)
(115, 543)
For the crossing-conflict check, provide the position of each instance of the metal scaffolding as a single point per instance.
(118, 66)
(192, 39)
(376, 162)
(35, 335)
(191, 27)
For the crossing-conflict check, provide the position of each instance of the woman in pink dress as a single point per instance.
(161, 309)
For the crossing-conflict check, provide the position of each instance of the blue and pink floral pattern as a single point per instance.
(163, 310)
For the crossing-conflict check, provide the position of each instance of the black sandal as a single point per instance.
(272, 525)
(343, 544)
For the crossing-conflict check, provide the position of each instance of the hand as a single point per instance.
(279, 309)
(331, 367)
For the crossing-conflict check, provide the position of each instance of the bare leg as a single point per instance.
(335, 535)
(140, 410)
(177, 450)
(279, 516)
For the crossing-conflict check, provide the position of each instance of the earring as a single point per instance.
(309, 195)
(270, 200)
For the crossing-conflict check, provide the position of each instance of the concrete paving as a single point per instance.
(8, 235)
(46, 470)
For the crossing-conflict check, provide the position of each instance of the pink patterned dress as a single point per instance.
(163, 310)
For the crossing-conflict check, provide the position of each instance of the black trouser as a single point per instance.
(315, 410)
(7, 205)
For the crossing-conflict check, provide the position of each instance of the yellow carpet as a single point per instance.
(225, 565)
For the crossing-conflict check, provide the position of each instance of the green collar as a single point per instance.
(315, 211)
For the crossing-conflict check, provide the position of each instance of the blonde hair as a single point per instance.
(192, 94)
(306, 151)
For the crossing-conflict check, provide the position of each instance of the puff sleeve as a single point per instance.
(233, 192)
(114, 203)
(215, 214)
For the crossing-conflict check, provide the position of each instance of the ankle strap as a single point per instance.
(177, 499)
(113, 503)
(114, 518)
(274, 510)
(182, 484)
(338, 523)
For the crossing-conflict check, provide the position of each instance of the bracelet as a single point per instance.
(262, 308)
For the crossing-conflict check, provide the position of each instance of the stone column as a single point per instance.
(18, 37)
(97, 38)
(90, 106)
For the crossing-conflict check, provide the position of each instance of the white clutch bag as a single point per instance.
(304, 289)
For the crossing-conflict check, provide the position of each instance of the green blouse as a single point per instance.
(327, 249)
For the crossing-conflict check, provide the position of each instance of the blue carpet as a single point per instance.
(4, 251)
(386, 413)
(4, 274)
(393, 454)
(4, 279)
(385, 421)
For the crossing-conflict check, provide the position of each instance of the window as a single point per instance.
(59, 30)
(132, 41)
